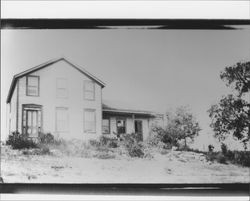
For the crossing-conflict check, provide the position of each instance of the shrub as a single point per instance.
(20, 141)
(164, 136)
(136, 137)
(44, 151)
(210, 156)
(94, 143)
(239, 157)
(221, 158)
(132, 145)
(244, 158)
(109, 142)
(104, 142)
(46, 138)
(154, 140)
(214, 156)
(128, 139)
(135, 150)
(60, 142)
(164, 151)
(230, 155)
(113, 144)
(184, 148)
(235, 157)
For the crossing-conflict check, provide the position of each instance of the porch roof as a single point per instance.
(121, 108)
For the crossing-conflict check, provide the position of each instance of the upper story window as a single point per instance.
(89, 90)
(32, 85)
(61, 88)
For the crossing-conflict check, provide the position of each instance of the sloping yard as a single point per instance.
(170, 167)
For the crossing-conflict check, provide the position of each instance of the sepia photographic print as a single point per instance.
(125, 102)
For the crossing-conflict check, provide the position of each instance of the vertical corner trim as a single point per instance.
(17, 105)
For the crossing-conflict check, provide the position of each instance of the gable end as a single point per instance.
(46, 64)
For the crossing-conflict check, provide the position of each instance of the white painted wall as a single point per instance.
(113, 128)
(11, 113)
(129, 125)
(75, 101)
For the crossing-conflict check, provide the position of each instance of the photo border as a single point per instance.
(237, 189)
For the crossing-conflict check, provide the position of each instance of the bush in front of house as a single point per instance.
(109, 142)
(29, 146)
(135, 150)
(94, 143)
(160, 136)
(104, 141)
(46, 138)
(133, 145)
(20, 141)
(129, 143)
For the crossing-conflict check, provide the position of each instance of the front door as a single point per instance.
(32, 121)
(138, 129)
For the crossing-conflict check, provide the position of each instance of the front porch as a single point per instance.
(117, 122)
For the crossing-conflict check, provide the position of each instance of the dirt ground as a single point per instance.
(172, 167)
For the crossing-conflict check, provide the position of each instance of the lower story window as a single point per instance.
(105, 126)
(89, 120)
(62, 119)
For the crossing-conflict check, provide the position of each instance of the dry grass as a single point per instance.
(113, 165)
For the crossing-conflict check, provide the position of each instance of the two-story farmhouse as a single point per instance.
(64, 99)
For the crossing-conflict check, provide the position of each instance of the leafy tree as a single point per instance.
(238, 77)
(232, 114)
(182, 125)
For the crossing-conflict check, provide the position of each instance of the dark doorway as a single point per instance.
(139, 129)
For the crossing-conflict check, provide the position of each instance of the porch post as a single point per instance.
(133, 122)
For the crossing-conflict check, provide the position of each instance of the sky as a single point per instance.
(149, 68)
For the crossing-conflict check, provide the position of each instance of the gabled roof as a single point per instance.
(46, 64)
(119, 107)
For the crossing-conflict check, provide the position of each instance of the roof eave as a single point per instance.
(85, 72)
(12, 87)
(128, 112)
